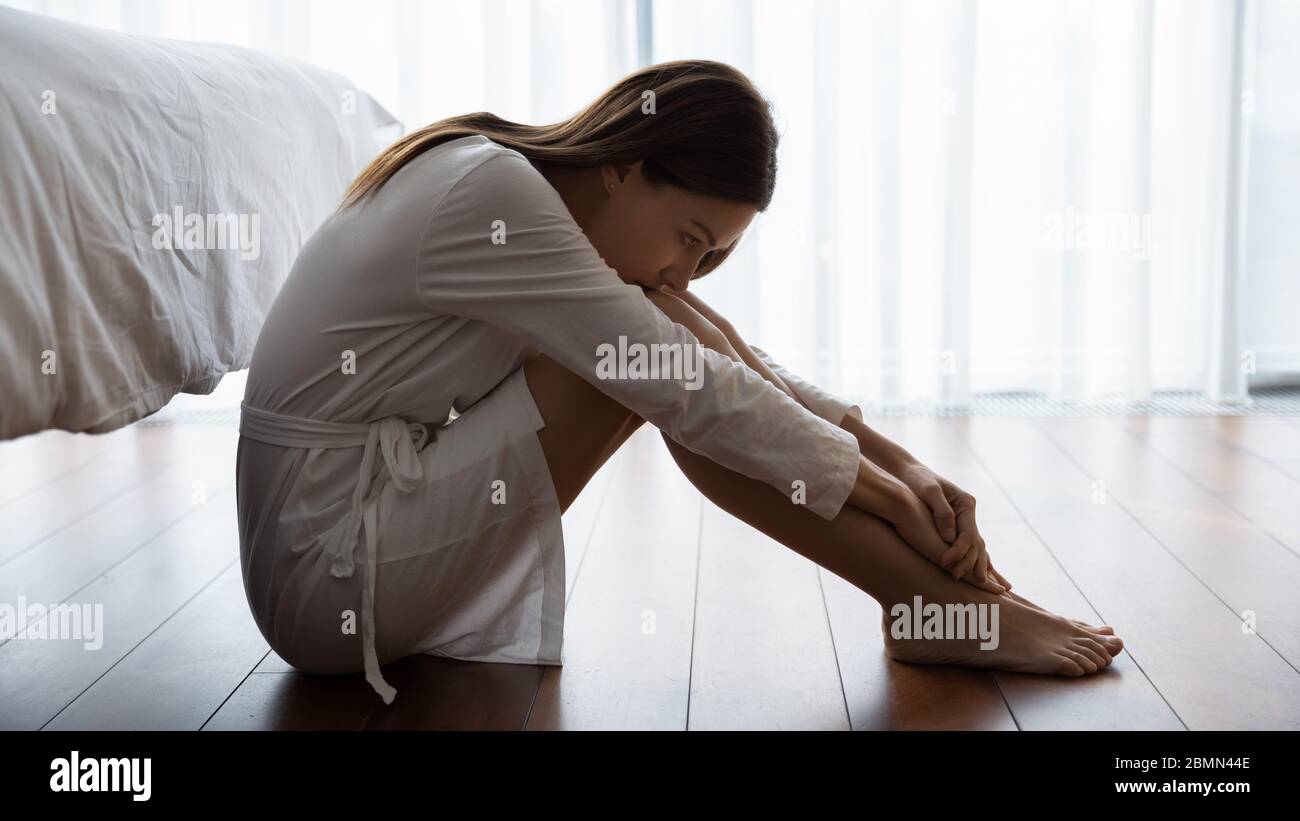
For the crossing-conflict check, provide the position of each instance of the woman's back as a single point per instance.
(348, 339)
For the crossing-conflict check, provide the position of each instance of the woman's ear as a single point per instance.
(614, 175)
(627, 169)
(609, 178)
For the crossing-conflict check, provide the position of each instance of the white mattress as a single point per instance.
(102, 133)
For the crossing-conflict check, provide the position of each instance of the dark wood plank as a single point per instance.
(291, 701)
(1253, 486)
(38, 678)
(272, 663)
(1243, 566)
(30, 463)
(1290, 462)
(627, 645)
(448, 694)
(1195, 528)
(433, 694)
(1122, 698)
(181, 673)
(97, 483)
(579, 521)
(1274, 439)
(1187, 642)
(764, 656)
(64, 562)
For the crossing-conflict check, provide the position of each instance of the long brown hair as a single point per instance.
(696, 124)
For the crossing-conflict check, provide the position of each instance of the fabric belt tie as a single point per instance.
(399, 442)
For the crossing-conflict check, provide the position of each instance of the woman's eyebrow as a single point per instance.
(712, 242)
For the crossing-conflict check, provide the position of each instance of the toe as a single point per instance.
(1104, 629)
(1081, 659)
(1068, 666)
(1097, 643)
(1094, 650)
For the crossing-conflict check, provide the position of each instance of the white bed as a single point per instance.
(104, 139)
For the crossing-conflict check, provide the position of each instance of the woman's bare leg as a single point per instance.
(584, 427)
(867, 552)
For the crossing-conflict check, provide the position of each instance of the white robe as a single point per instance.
(429, 297)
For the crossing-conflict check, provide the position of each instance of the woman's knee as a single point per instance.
(558, 391)
(709, 335)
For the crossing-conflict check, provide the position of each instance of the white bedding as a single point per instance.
(101, 135)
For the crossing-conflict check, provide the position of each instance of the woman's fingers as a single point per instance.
(915, 525)
(945, 520)
(974, 563)
(990, 584)
(957, 552)
(976, 559)
(968, 561)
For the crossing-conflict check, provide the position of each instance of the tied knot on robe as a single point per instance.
(399, 442)
(394, 439)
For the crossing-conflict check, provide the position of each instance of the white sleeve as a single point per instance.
(546, 283)
(823, 403)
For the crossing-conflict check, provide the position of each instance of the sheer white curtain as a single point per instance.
(1082, 199)
(1016, 195)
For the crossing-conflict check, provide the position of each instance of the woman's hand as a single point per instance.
(915, 524)
(953, 512)
(881, 493)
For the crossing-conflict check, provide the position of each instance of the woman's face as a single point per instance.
(654, 236)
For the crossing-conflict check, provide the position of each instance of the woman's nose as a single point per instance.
(678, 279)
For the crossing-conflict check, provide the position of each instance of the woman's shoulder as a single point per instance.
(458, 179)
(495, 165)
(488, 175)
(499, 196)
(475, 155)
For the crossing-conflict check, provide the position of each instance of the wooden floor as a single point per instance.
(1175, 530)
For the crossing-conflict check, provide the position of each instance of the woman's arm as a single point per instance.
(750, 358)
(952, 509)
(889, 455)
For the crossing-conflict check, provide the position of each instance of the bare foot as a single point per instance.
(1105, 629)
(1029, 639)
